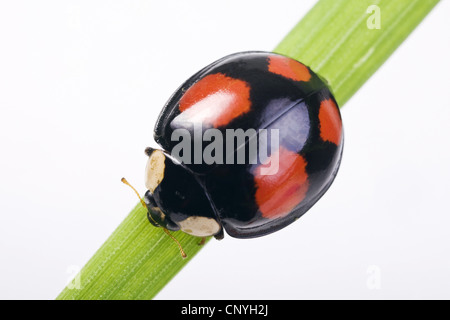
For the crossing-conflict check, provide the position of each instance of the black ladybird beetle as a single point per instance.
(244, 91)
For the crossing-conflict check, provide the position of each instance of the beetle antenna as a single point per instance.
(137, 193)
(183, 254)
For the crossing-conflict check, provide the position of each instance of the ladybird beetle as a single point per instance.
(244, 91)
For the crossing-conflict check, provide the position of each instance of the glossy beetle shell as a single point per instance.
(259, 90)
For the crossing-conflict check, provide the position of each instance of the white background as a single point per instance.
(81, 85)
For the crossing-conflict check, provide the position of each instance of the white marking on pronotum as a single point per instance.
(199, 226)
(154, 172)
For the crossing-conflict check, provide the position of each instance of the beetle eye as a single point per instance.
(154, 172)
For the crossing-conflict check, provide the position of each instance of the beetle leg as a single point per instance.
(202, 241)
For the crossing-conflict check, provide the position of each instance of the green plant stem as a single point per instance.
(135, 262)
(334, 40)
(138, 260)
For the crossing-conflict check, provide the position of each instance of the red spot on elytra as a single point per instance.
(330, 122)
(278, 194)
(289, 68)
(216, 100)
